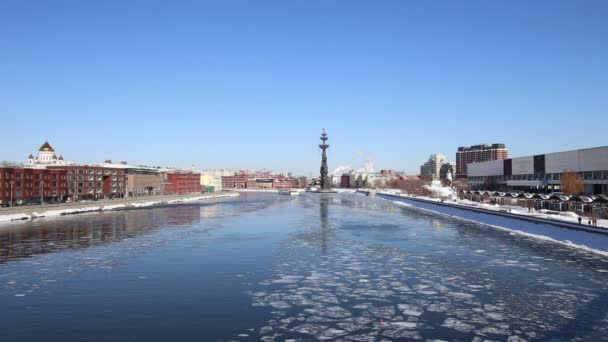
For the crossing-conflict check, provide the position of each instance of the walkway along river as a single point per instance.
(310, 267)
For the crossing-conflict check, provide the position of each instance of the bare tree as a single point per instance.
(379, 184)
(410, 186)
(302, 182)
(460, 185)
(6, 163)
(571, 183)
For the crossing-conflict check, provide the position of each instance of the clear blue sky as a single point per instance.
(251, 83)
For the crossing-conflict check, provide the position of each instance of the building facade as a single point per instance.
(211, 182)
(285, 183)
(144, 183)
(181, 183)
(542, 173)
(431, 170)
(264, 180)
(478, 153)
(260, 183)
(19, 185)
(345, 180)
(94, 181)
(234, 182)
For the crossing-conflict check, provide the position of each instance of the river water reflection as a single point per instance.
(269, 267)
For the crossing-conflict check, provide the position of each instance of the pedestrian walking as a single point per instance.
(580, 220)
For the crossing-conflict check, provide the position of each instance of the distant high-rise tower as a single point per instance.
(435, 168)
(325, 180)
(478, 153)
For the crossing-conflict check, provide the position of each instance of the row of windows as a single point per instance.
(93, 172)
(19, 175)
(19, 184)
(20, 193)
(588, 175)
(81, 191)
(94, 184)
(93, 191)
(93, 178)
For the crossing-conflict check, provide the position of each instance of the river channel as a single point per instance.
(267, 267)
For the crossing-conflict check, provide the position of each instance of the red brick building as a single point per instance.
(257, 181)
(285, 183)
(345, 180)
(31, 185)
(234, 182)
(260, 183)
(182, 183)
(94, 181)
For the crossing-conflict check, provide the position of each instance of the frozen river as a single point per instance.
(273, 268)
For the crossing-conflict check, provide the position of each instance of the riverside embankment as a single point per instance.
(49, 210)
(563, 232)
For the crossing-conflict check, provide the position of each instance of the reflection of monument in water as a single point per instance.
(324, 206)
(325, 187)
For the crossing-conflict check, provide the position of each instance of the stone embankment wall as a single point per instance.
(573, 234)
(34, 211)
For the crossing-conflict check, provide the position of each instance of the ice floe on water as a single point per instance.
(358, 291)
(323, 286)
(51, 251)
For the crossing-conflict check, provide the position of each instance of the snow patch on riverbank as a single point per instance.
(199, 198)
(563, 242)
(60, 212)
(145, 204)
(257, 190)
(14, 217)
(72, 211)
(115, 206)
(567, 216)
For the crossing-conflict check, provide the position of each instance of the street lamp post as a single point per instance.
(12, 183)
(41, 192)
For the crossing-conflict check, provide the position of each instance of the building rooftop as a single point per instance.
(46, 147)
(481, 147)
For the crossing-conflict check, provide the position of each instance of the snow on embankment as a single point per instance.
(573, 235)
(14, 217)
(61, 212)
(257, 190)
(199, 198)
(107, 207)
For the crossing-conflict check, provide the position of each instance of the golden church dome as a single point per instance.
(46, 147)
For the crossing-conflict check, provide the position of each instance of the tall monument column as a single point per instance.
(325, 181)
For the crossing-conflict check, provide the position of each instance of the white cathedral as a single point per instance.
(46, 156)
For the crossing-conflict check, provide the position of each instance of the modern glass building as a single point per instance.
(542, 173)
